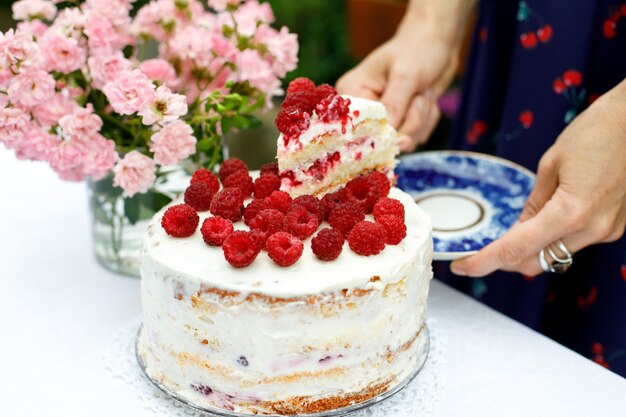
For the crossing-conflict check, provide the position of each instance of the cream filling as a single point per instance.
(360, 110)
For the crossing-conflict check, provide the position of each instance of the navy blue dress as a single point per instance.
(533, 67)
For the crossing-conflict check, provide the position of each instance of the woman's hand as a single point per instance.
(411, 70)
(579, 196)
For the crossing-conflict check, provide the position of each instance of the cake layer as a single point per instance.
(360, 110)
(337, 167)
(301, 350)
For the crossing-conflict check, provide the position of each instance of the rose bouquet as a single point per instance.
(120, 93)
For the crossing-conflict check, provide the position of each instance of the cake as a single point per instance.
(329, 151)
(260, 338)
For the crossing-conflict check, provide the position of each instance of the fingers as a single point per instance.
(521, 242)
(531, 267)
(422, 117)
(402, 85)
(545, 185)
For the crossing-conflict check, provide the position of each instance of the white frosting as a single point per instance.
(365, 109)
(339, 333)
(193, 258)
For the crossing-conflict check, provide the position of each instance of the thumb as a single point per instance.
(545, 186)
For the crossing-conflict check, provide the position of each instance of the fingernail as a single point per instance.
(458, 269)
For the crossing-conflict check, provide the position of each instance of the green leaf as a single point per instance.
(204, 144)
(155, 201)
(522, 12)
(569, 116)
(104, 187)
(131, 208)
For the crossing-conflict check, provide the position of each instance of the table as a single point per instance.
(58, 309)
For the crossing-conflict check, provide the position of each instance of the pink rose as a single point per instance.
(192, 42)
(70, 22)
(173, 143)
(37, 145)
(33, 27)
(61, 53)
(135, 173)
(31, 88)
(49, 112)
(81, 123)
(166, 107)
(18, 51)
(4, 100)
(115, 11)
(67, 161)
(103, 67)
(13, 123)
(220, 5)
(283, 46)
(250, 13)
(159, 70)
(99, 155)
(153, 19)
(33, 9)
(102, 34)
(77, 158)
(253, 68)
(129, 92)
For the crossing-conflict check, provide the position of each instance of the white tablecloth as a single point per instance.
(58, 309)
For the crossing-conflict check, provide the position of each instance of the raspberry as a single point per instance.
(395, 229)
(228, 203)
(329, 202)
(215, 230)
(241, 180)
(333, 108)
(388, 206)
(279, 200)
(324, 91)
(345, 216)
(231, 165)
(302, 100)
(270, 168)
(284, 249)
(367, 238)
(364, 193)
(291, 121)
(204, 175)
(299, 222)
(180, 220)
(199, 195)
(300, 84)
(265, 185)
(312, 204)
(380, 181)
(253, 208)
(267, 222)
(239, 249)
(327, 244)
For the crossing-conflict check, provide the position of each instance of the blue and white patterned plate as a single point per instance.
(472, 198)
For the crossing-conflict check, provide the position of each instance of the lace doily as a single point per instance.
(417, 399)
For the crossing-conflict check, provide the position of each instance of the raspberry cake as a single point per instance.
(256, 301)
(326, 139)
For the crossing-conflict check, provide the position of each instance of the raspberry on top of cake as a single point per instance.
(327, 139)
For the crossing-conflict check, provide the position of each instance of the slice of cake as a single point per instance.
(326, 139)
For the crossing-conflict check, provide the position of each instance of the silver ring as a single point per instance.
(557, 264)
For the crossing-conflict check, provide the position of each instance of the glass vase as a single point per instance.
(119, 222)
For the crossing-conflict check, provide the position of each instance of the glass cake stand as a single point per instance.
(215, 411)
